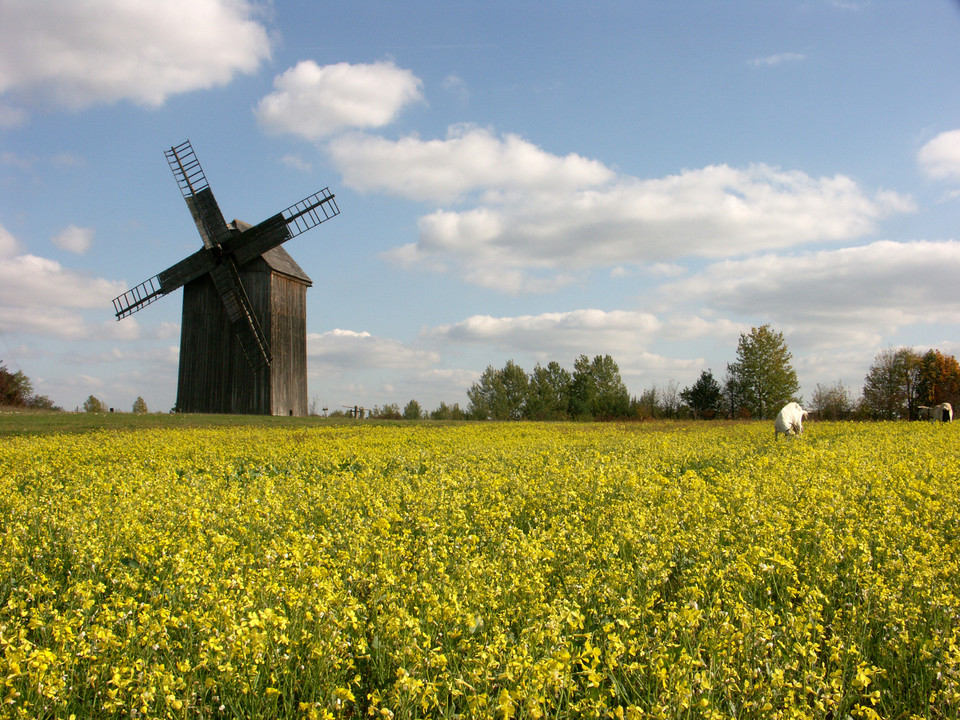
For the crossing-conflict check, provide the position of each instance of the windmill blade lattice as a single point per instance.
(198, 195)
(276, 230)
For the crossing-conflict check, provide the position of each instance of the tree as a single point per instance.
(93, 405)
(445, 412)
(832, 402)
(484, 395)
(763, 376)
(734, 399)
(705, 397)
(597, 390)
(938, 379)
(42, 402)
(390, 411)
(645, 407)
(499, 394)
(548, 392)
(516, 387)
(412, 411)
(668, 398)
(15, 388)
(140, 406)
(890, 386)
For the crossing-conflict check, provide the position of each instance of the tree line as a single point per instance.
(594, 390)
(757, 384)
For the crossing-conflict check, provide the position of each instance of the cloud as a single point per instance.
(8, 244)
(29, 280)
(534, 240)
(468, 160)
(940, 157)
(296, 163)
(836, 297)
(314, 101)
(348, 350)
(591, 331)
(518, 219)
(455, 85)
(74, 239)
(778, 59)
(39, 296)
(82, 53)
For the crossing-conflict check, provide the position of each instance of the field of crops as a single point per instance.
(482, 570)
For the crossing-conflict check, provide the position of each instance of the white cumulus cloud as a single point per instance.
(467, 160)
(32, 280)
(80, 53)
(550, 231)
(858, 292)
(41, 296)
(314, 101)
(349, 349)
(8, 244)
(557, 335)
(940, 157)
(74, 239)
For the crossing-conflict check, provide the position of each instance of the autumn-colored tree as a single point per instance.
(938, 379)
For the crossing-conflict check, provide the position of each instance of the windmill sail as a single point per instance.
(226, 279)
(137, 298)
(174, 277)
(196, 191)
(296, 219)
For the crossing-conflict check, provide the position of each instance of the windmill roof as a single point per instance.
(280, 261)
(277, 259)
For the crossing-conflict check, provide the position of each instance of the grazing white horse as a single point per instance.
(789, 419)
(938, 413)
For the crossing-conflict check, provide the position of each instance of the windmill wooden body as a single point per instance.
(243, 333)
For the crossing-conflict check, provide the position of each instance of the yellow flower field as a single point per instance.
(482, 570)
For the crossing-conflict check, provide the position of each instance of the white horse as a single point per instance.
(789, 419)
(938, 413)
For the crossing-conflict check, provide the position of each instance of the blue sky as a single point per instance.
(517, 180)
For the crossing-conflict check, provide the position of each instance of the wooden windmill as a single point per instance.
(243, 339)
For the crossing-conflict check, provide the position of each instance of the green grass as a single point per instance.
(19, 421)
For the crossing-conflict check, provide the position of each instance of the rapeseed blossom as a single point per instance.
(501, 571)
